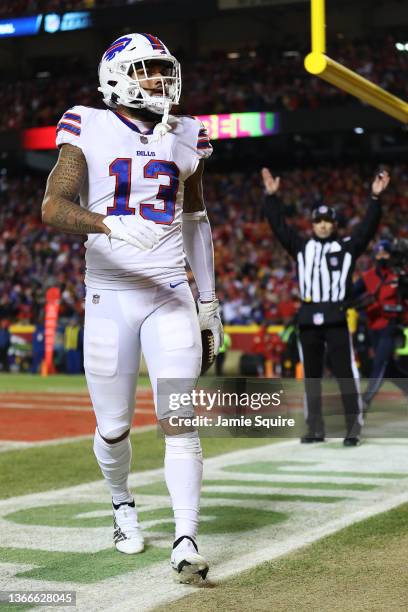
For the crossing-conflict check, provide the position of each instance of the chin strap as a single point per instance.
(163, 127)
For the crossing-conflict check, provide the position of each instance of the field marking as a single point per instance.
(35, 418)
(26, 428)
(7, 445)
(54, 408)
(148, 587)
(81, 396)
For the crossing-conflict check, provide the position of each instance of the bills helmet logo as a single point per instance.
(116, 47)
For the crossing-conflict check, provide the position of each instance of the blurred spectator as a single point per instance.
(220, 358)
(4, 345)
(72, 346)
(386, 310)
(262, 346)
(32, 257)
(18, 8)
(290, 357)
(38, 348)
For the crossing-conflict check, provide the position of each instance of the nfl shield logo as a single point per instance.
(318, 318)
(144, 140)
(334, 261)
(95, 299)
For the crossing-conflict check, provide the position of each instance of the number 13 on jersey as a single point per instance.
(121, 169)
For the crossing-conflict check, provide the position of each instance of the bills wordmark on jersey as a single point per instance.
(146, 153)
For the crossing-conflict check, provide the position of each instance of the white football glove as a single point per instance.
(138, 232)
(209, 318)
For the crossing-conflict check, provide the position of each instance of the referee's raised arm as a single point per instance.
(274, 212)
(366, 229)
(325, 263)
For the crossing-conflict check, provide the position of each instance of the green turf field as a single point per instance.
(253, 497)
(361, 568)
(58, 383)
(286, 527)
(45, 468)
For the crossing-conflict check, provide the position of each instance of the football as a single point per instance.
(208, 358)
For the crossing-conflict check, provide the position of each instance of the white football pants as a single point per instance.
(118, 325)
(161, 321)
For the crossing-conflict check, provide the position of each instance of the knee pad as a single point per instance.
(111, 435)
(101, 347)
(116, 439)
(111, 411)
(113, 401)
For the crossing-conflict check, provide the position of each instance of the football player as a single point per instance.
(138, 173)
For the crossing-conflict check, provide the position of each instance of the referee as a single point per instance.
(325, 264)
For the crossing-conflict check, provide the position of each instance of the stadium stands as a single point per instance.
(265, 78)
(251, 268)
(19, 8)
(217, 84)
(32, 257)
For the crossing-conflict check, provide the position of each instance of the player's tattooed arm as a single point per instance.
(59, 207)
(193, 191)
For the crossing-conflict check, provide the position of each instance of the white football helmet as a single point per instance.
(119, 83)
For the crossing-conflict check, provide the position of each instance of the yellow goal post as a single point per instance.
(318, 64)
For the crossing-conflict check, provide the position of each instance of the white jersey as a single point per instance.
(131, 172)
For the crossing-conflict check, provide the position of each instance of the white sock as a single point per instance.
(183, 470)
(114, 461)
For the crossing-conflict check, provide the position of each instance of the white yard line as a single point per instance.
(6, 445)
(229, 554)
(147, 409)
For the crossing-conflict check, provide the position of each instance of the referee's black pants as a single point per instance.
(315, 340)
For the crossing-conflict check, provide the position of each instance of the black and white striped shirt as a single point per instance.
(324, 266)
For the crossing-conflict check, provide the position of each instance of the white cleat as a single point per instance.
(127, 535)
(190, 567)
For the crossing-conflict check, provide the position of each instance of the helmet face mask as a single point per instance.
(126, 69)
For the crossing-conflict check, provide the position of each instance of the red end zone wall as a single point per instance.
(242, 336)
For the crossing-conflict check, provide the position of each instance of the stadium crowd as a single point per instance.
(32, 257)
(265, 79)
(256, 279)
(20, 8)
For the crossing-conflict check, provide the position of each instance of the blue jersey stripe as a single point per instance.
(72, 116)
(69, 128)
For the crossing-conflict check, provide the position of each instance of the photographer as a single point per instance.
(325, 264)
(380, 290)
